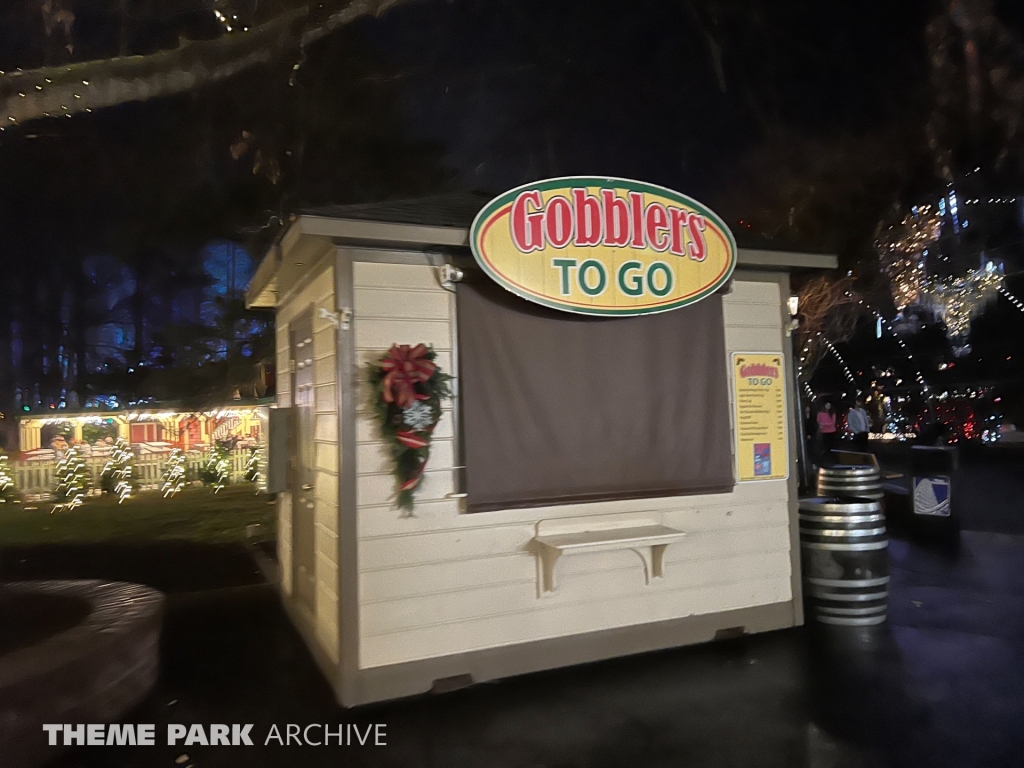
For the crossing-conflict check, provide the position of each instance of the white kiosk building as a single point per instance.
(499, 572)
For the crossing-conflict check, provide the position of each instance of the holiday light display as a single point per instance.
(883, 322)
(174, 473)
(902, 250)
(846, 369)
(958, 300)
(183, 428)
(71, 482)
(252, 466)
(116, 477)
(828, 314)
(992, 428)
(7, 493)
(66, 90)
(904, 256)
(217, 471)
(1013, 299)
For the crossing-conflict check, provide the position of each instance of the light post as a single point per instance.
(803, 459)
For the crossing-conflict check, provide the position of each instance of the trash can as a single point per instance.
(850, 481)
(932, 497)
(845, 561)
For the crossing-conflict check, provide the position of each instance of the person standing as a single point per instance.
(827, 430)
(859, 423)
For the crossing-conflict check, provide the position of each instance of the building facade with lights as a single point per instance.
(148, 429)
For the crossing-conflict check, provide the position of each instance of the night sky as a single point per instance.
(519, 89)
(676, 93)
(802, 123)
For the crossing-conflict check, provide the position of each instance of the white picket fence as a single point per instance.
(36, 479)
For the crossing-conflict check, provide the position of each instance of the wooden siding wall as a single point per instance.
(318, 293)
(444, 582)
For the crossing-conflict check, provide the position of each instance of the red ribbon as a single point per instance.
(413, 481)
(405, 367)
(410, 439)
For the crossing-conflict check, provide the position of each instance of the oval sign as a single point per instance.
(603, 246)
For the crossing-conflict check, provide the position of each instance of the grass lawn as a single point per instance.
(195, 514)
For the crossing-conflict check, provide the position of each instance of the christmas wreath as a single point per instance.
(408, 388)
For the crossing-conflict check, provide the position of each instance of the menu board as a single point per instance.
(759, 400)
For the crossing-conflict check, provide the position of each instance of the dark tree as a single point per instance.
(149, 184)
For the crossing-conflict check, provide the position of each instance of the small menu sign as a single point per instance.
(759, 403)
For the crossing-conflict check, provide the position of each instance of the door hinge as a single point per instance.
(291, 366)
(342, 319)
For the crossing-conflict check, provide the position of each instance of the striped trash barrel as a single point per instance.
(845, 560)
(855, 482)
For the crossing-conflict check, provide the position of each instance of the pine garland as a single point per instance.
(407, 423)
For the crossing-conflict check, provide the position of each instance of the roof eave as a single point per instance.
(754, 258)
(262, 290)
(391, 233)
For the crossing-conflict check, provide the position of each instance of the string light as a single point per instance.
(252, 468)
(902, 250)
(958, 300)
(174, 473)
(229, 24)
(225, 22)
(218, 468)
(6, 479)
(70, 482)
(842, 362)
(903, 347)
(119, 469)
(1013, 299)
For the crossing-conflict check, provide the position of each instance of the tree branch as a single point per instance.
(829, 311)
(91, 85)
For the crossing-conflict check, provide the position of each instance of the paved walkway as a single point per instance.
(943, 685)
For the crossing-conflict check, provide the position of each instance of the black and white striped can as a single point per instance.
(845, 560)
(850, 481)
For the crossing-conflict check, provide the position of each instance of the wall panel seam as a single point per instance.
(489, 522)
(646, 596)
(574, 575)
(493, 555)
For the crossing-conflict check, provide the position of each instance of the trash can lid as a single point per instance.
(845, 470)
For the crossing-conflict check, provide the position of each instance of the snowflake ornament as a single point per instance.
(418, 416)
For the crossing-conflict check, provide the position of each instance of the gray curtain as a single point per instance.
(559, 408)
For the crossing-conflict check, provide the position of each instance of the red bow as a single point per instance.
(410, 439)
(406, 366)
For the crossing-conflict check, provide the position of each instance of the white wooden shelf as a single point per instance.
(649, 541)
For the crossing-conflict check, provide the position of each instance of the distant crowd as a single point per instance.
(825, 427)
